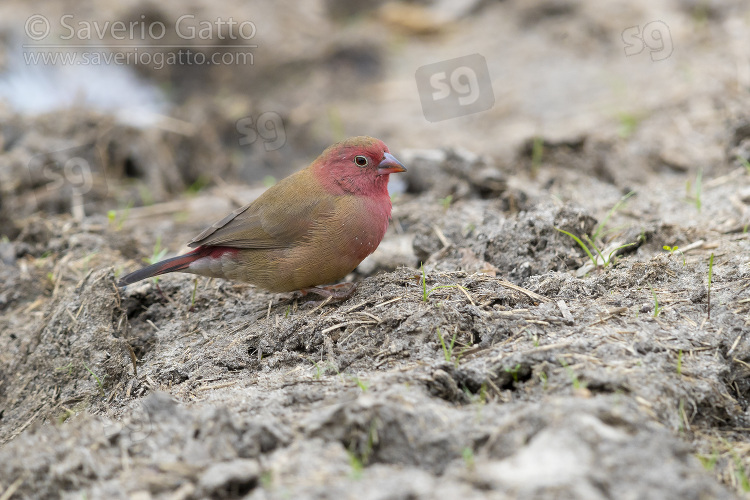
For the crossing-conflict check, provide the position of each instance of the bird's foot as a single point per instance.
(341, 291)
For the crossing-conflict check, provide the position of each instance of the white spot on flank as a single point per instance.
(210, 266)
(200, 266)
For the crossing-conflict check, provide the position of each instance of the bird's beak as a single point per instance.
(390, 165)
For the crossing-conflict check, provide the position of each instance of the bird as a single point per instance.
(310, 229)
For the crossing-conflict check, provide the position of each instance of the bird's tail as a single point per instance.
(178, 263)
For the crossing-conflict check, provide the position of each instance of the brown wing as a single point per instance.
(280, 217)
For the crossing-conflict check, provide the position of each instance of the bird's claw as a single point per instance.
(341, 291)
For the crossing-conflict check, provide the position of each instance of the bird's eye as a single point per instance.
(360, 160)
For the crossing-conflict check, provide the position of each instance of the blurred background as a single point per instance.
(110, 106)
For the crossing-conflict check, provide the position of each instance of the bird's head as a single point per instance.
(358, 165)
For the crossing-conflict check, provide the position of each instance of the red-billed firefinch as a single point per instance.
(312, 228)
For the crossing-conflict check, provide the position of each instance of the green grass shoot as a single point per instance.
(468, 455)
(740, 473)
(739, 469)
(611, 254)
(447, 349)
(446, 202)
(119, 221)
(709, 462)
(657, 308)
(145, 193)
(66, 368)
(617, 206)
(425, 292)
(356, 464)
(266, 479)
(65, 415)
(514, 371)
(744, 163)
(198, 185)
(157, 254)
(577, 384)
(590, 246)
(696, 196)
(359, 460)
(544, 379)
(99, 381)
(628, 124)
(674, 249)
(482, 396)
(361, 383)
(580, 243)
(318, 370)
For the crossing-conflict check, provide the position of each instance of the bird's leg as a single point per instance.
(158, 289)
(341, 291)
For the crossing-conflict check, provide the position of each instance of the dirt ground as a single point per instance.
(484, 353)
